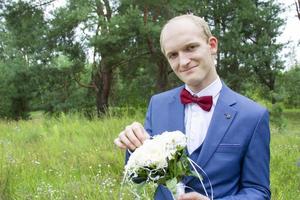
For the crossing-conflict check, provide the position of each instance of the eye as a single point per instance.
(192, 47)
(172, 56)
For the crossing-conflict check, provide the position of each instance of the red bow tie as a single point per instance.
(205, 102)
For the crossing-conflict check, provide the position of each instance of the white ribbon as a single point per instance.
(193, 164)
(199, 177)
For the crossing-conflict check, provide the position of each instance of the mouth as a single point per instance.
(188, 69)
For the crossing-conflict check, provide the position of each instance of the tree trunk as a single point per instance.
(162, 79)
(162, 76)
(103, 80)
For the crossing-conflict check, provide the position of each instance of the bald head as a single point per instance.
(198, 21)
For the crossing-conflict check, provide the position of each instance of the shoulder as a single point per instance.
(169, 94)
(244, 103)
(249, 114)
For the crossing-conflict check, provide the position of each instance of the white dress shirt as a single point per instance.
(196, 119)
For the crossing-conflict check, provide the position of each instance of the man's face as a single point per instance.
(189, 53)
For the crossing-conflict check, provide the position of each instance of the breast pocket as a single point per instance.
(229, 148)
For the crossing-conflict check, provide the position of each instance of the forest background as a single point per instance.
(89, 56)
(72, 77)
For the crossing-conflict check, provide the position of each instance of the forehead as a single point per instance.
(179, 33)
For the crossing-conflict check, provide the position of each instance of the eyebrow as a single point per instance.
(191, 43)
(184, 46)
(169, 53)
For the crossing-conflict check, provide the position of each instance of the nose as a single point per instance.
(184, 60)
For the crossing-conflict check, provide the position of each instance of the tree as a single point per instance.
(297, 4)
(116, 33)
(93, 22)
(21, 44)
(34, 79)
(108, 51)
(290, 87)
(247, 32)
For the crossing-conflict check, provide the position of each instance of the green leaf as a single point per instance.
(140, 187)
(171, 185)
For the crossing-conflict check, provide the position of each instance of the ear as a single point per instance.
(213, 43)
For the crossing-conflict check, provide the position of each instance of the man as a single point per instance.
(228, 134)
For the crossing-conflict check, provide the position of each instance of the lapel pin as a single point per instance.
(228, 116)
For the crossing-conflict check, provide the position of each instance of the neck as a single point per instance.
(204, 84)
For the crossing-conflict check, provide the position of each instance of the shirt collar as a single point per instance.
(212, 89)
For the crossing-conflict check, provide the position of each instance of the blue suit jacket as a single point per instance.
(235, 154)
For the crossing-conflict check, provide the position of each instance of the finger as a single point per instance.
(140, 132)
(192, 196)
(119, 144)
(124, 139)
(131, 133)
(146, 134)
(143, 135)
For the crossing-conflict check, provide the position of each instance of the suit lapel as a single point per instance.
(222, 117)
(176, 113)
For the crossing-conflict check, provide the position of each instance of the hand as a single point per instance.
(132, 137)
(192, 196)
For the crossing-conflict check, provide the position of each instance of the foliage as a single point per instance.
(248, 50)
(276, 114)
(15, 94)
(90, 55)
(27, 27)
(23, 27)
(57, 92)
(290, 87)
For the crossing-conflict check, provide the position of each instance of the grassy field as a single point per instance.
(71, 158)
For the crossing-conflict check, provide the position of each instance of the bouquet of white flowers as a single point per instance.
(162, 160)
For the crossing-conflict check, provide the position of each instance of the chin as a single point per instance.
(194, 81)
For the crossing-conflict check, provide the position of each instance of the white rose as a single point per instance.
(156, 151)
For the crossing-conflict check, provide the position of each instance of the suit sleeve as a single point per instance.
(148, 120)
(255, 175)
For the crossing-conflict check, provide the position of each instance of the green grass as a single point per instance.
(65, 158)
(71, 158)
(285, 158)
